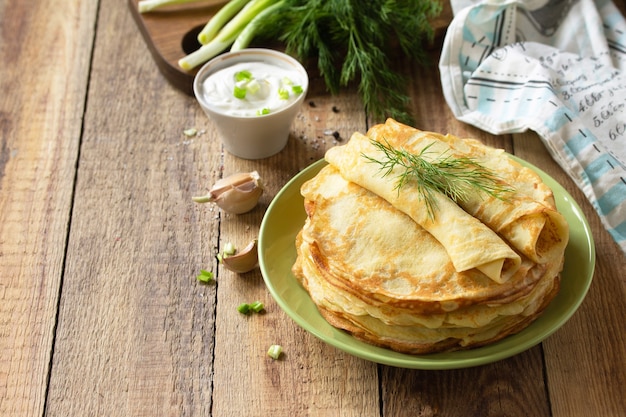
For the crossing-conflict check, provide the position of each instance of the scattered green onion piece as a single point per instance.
(257, 306)
(229, 249)
(275, 351)
(205, 276)
(283, 93)
(297, 89)
(244, 308)
(247, 308)
(287, 81)
(263, 111)
(239, 92)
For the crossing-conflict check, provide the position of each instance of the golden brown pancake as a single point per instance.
(527, 219)
(376, 266)
(469, 243)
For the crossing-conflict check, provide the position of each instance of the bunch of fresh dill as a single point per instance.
(354, 41)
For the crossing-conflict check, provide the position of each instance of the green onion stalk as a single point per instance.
(219, 20)
(251, 30)
(226, 35)
(145, 6)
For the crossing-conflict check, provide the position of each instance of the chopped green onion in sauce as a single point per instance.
(239, 92)
(283, 93)
(243, 75)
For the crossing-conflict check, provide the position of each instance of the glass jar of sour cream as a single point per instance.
(252, 89)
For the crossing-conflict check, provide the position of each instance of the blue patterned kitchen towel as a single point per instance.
(557, 67)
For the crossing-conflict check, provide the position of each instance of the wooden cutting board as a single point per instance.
(170, 33)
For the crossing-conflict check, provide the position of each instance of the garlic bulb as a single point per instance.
(243, 261)
(237, 193)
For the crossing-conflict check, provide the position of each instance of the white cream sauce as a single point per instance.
(262, 90)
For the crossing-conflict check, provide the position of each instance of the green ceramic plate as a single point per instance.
(284, 218)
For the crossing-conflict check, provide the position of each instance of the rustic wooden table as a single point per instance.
(100, 243)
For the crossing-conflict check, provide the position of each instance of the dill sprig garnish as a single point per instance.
(456, 177)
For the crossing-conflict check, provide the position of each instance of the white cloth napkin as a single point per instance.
(557, 67)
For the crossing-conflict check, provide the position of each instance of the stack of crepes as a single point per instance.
(379, 266)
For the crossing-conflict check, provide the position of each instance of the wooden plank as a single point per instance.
(585, 362)
(135, 332)
(485, 390)
(510, 387)
(311, 378)
(45, 53)
(141, 316)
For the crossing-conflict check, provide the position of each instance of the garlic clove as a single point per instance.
(239, 201)
(237, 193)
(244, 261)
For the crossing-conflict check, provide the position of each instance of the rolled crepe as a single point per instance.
(527, 218)
(468, 242)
